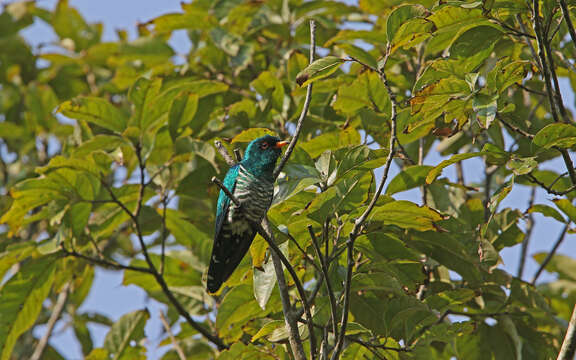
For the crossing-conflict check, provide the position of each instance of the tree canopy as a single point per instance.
(108, 150)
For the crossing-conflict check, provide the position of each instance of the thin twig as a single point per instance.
(173, 339)
(307, 100)
(548, 189)
(533, 91)
(324, 268)
(526, 241)
(54, 316)
(537, 23)
(569, 344)
(164, 233)
(566, 15)
(289, 318)
(514, 128)
(159, 278)
(224, 153)
(550, 255)
(360, 221)
(103, 262)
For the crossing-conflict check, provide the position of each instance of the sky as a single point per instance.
(109, 297)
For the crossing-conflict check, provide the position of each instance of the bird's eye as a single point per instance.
(264, 146)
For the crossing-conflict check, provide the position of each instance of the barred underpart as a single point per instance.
(255, 196)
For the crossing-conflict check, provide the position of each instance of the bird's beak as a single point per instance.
(280, 144)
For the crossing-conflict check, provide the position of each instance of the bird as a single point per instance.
(251, 181)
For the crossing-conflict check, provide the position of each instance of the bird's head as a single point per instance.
(262, 153)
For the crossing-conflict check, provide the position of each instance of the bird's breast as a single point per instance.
(255, 196)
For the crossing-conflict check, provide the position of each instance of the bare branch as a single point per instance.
(324, 269)
(537, 23)
(173, 339)
(569, 344)
(307, 100)
(224, 153)
(566, 14)
(103, 262)
(550, 255)
(548, 189)
(514, 128)
(360, 221)
(54, 316)
(526, 241)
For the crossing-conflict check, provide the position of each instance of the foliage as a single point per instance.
(108, 151)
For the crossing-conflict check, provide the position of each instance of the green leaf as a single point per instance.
(409, 178)
(547, 211)
(265, 279)
(129, 327)
(406, 215)
(500, 194)
(434, 173)
(563, 265)
(182, 112)
(359, 54)
(22, 297)
(522, 166)
(106, 143)
(331, 141)
(237, 306)
(95, 110)
(567, 208)
(399, 16)
(485, 107)
(476, 40)
(268, 329)
(251, 134)
(561, 135)
(319, 69)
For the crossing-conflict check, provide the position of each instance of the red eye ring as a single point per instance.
(264, 146)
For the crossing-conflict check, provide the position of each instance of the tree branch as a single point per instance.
(152, 268)
(548, 189)
(569, 344)
(173, 339)
(54, 316)
(550, 255)
(224, 153)
(566, 15)
(324, 269)
(307, 100)
(103, 262)
(526, 241)
(360, 221)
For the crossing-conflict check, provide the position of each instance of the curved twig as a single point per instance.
(307, 100)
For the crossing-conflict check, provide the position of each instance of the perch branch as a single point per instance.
(360, 221)
(307, 100)
(224, 153)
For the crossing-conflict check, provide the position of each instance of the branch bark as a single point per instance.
(56, 312)
(173, 339)
(569, 344)
(360, 221)
(307, 100)
(551, 253)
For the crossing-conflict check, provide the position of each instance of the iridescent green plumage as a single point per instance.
(252, 183)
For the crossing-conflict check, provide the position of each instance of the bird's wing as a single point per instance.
(228, 249)
(224, 200)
